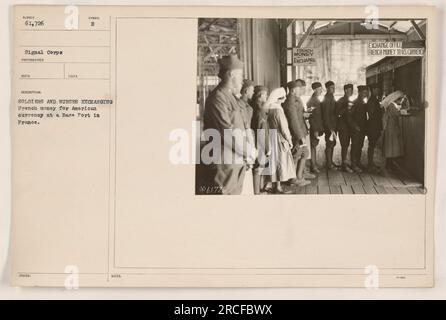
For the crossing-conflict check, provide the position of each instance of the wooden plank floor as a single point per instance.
(339, 182)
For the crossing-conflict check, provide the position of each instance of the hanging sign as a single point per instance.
(392, 49)
(303, 57)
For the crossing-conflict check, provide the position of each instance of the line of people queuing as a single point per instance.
(279, 158)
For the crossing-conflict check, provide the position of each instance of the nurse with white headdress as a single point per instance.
(392, 135)
(282, 163)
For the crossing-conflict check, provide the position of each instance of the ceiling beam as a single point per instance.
(290, 21)
(307, 33)
(209, 25)
(392, 25)
(418, 30)
(218, 33)
(210, 49)
(216, 45)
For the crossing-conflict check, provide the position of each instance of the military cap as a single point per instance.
(316, 85)
(361, 87)
(230, 62)
(246, 84)
(329, 84)
(292, 84)
(348, 86)
(260, 88)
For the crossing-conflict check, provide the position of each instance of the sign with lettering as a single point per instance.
(303, 57)
(392, 49)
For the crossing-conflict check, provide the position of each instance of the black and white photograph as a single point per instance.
(129, 125)
(289, 106)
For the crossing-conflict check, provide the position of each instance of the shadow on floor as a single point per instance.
(339, 182)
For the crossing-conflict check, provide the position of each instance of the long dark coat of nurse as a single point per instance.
(222, 111)
(392, 134)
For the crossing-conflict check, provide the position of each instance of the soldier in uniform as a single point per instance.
(316, 125)
(294, 112)
(222, 112)
(358, 123)
(329, 119)
(374, 125)
(246, 94)
(342, 108)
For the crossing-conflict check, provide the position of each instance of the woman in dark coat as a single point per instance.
(259, 125)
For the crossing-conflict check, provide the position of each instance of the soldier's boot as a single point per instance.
(328, 163)
(346, 168)
(256, 182)
(371, 167)
(354, 160)
(329, 155)
(344, 165)
(358, 160)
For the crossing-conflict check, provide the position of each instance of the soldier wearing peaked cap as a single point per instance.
(260, 88)
(294, 112)
(222, 112)
(358, 122)
(316, 125)
(246, 93)
(329, 118)
(343, 105)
